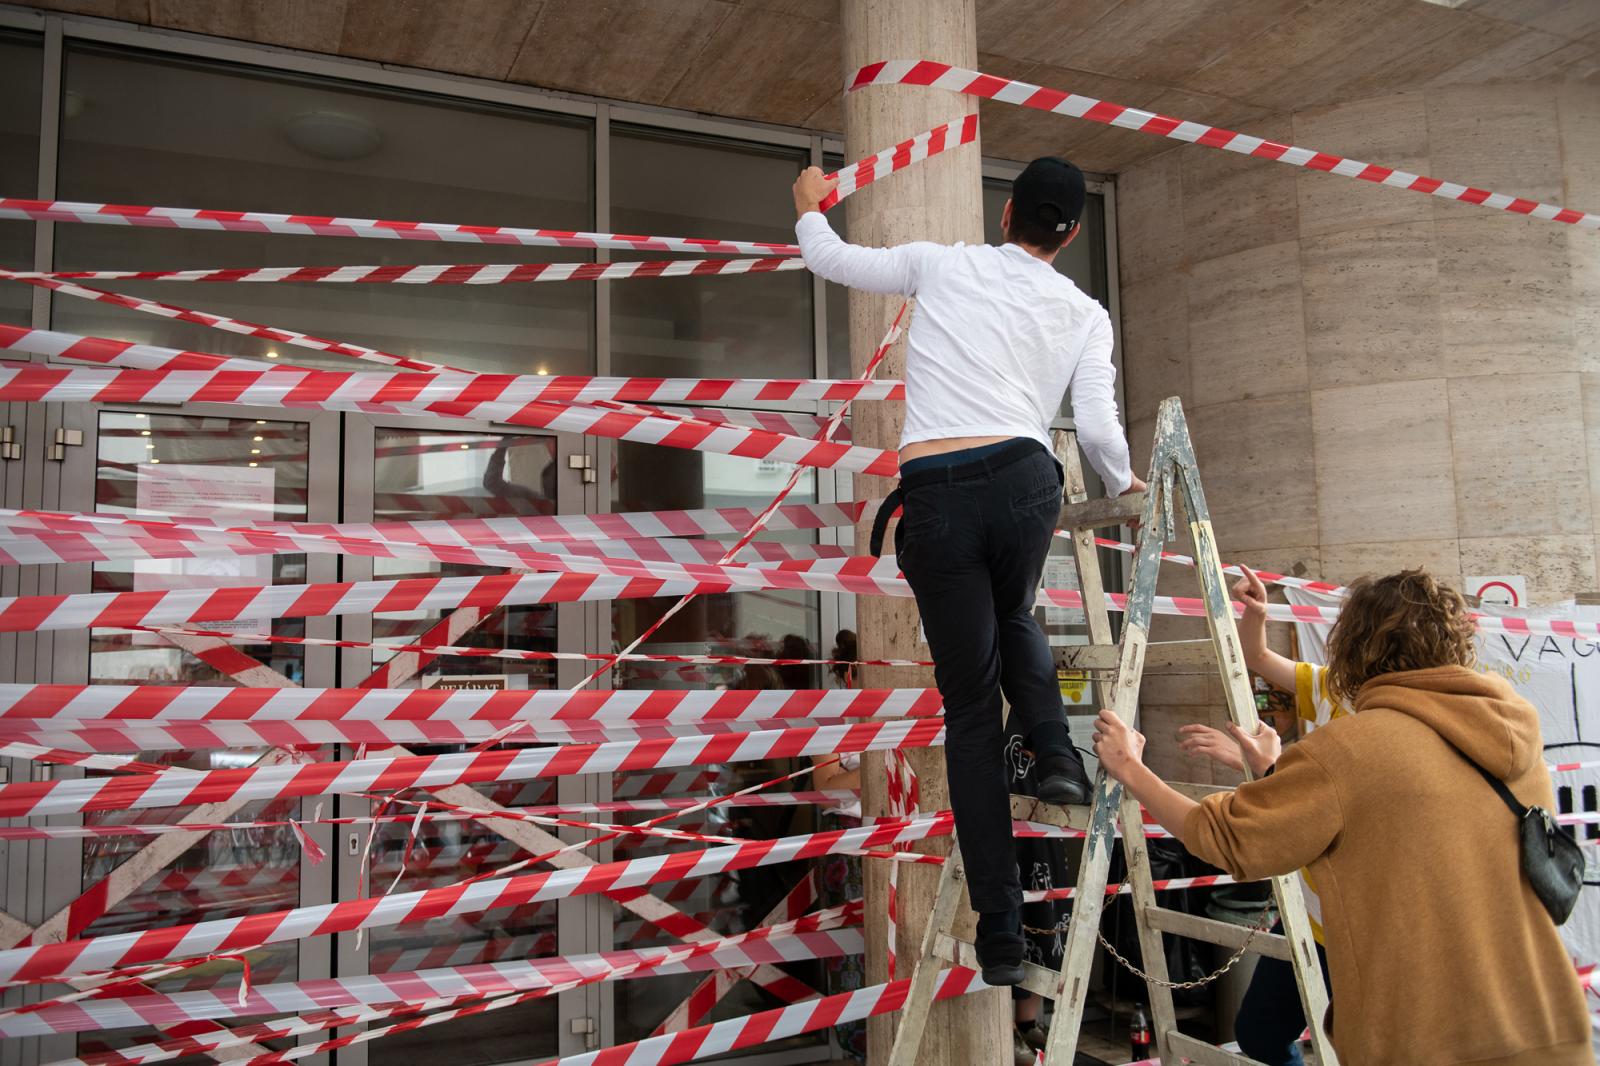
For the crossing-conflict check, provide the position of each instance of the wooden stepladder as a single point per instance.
(1120, 668)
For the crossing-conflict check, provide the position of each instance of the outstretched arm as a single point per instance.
(883, 270)
(1261, 829)
(1277, 669)
(1235, 747)
(1120, 749)
(1094, 411)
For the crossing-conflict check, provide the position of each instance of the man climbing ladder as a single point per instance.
(997, 340)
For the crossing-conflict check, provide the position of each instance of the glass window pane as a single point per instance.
(244, 469)
(838, 297)
(21, 77)
(756, 624)
(421, 475)
(247, 470)
(225, 874)
(753, 325)
(164, 131)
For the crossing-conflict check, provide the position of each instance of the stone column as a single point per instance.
(938, 200)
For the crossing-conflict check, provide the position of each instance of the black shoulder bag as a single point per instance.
(1550, 857)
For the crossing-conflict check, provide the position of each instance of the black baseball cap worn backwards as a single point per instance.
(1050, 192)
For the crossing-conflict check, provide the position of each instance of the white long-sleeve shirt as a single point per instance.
(997, 339)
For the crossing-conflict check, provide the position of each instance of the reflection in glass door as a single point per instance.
(414, 472)
(756, 624)
(227, 470)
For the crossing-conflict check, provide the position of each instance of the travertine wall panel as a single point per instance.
(1232, 202)
(1258, 474)
(1374, 375)
(1377, 379)
(1383, 463)
(1372, 310)
(1246, 325)
(1393, 129)
(1155, 319)
(1505, 289)
(1520, 459)
(1551, 564)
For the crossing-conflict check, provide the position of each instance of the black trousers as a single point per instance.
(1270, 1018)
(972, 541)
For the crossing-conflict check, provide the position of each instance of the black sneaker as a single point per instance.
(1062, 779)
(1000, 947)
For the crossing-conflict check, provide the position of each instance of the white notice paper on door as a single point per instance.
(227, 494)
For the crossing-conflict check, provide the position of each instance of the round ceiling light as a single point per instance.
(333, 135)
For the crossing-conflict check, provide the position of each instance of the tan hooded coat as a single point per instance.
(1439, 951)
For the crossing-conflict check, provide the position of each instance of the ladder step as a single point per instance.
(1096, 514)
(1223, 934)
(1161, 655)
(1168, 653)
(1198, 1051)
(1036, 979)
(1028, 809)
(1101, 658)
(1196, 791)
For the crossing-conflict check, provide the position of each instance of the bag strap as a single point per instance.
(1495, 783)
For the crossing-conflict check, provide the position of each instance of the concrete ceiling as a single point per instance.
(1236, 63)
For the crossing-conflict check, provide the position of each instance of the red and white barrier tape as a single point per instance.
(143, 357)
(68, 540)
(704, 997)
(26, 799)
(75, 735)
(139, 357)
(851, 177)
(627, 527)
(902, 155)
(760, 521)
(436, 273)
(812, 798)
(144, 704)
(399, 987)
(620, 579)
(519, 655)
(430, 390)
(779, 1024)
(89, 760)
(1231, 569)
(402, 987)
(330, 226)
(1012, 91)
(182, 606)
(500, 398)
(814, 946)
(75, 957)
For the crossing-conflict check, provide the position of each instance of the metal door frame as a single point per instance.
(54, 869)
(581, 920)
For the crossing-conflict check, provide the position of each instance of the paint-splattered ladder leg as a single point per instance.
(1122, 699)
(1242, 709)
(913, 1022)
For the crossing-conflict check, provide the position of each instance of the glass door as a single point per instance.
(401, 470)
(226, 466)
(768, 624)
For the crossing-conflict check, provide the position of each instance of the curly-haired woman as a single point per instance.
(1439, 950)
